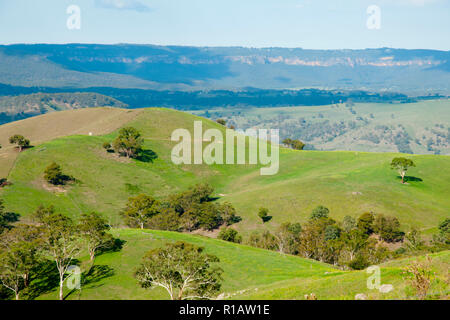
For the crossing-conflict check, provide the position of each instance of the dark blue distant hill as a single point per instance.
(417, 72)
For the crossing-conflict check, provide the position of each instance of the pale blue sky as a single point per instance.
(312, 24)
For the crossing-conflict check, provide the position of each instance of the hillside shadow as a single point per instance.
(147, 156)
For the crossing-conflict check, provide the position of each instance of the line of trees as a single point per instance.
(351, 243)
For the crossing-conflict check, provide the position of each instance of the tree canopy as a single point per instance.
(20, 141)
(140, 209)
(94, 233)
(402, 165)
(183, 270)
(129, 142)
(53, 174)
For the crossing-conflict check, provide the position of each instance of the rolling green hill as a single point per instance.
(349, 183)
(47, 127)
(249, 273)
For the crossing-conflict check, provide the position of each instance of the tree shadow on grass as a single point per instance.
(92, 276)
(44, 280)
(410, 178)
(147, 156)
(116, 246)
(266, 219)
(10, 217)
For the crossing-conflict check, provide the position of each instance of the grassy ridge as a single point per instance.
(47, 127)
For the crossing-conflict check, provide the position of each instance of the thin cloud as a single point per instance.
(134, 5)
(417, 3)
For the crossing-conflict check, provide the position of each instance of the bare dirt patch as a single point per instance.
(206, 233)
(112, 156)
(42, 184)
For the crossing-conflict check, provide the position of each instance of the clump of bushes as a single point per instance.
(222, 122)
(263, 239)
(186, 211)
(229, 234)
(294, 144)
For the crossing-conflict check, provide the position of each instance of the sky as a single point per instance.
(309, 24)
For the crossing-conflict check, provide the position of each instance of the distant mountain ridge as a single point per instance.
(198, 68)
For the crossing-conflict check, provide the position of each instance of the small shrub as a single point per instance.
(107, 146)
(359, 263)
(263, 213)
(53, 174)
(419, 276)
(320, 212)
(221, 121)
(229, 234)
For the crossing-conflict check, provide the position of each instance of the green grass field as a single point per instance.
(349, 183)
(249, 273)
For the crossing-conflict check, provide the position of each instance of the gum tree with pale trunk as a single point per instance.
(61, 243)
(183, 270)
(402, 165)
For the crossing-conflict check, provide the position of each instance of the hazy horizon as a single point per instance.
(319, 25)
(224, 46)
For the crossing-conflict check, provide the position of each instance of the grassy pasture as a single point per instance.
(349, 183)
(249, 273)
